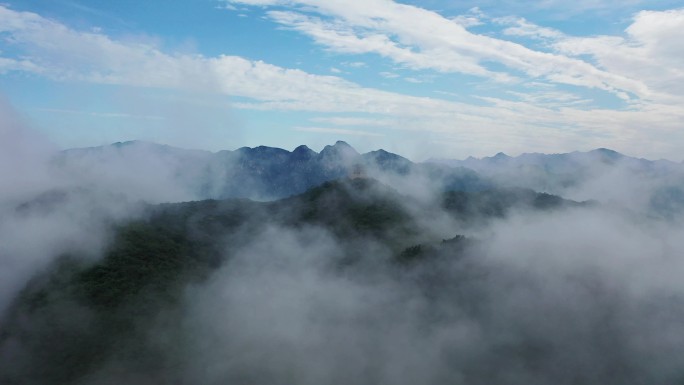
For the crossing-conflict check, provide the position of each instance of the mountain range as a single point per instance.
(152, 260)
(267, 173)
(162, 265)
(261, 173)
(555, 173)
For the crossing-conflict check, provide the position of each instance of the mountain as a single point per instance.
(262, 173)
(557, 162)
(556, 173)
(157, 173)
(77, 315)
(342, 268)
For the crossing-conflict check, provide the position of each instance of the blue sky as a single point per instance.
(429, 78)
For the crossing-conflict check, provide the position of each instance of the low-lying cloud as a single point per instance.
(587, 295)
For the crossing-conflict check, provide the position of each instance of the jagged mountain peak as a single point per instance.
(340, 145)
(302, 148)
(340, 148)
(607, 152)
(388, 160)
(302, 153)
(126, 143)
(261, 173)
(139, 143)
(382, 152)
(262, 151)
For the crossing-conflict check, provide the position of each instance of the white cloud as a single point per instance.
(564, 9)
(467, 21)
(353, 121)
(582, 6)
(388, 75)
(355, 64)
(7, 65)
(340, 36)
(551, 98)
(521, 27)
(96, 58)
(524, 123)
(472, 19)
(338, 131)
(420, 39)
(100, 114)
(652, 51)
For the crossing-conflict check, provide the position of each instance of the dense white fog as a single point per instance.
(589, 295)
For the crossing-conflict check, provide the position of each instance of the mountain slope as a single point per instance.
(560, 173)
(151, 262)
(261, 173)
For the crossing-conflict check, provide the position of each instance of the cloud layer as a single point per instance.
(553, 91)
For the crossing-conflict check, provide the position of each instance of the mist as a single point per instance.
(579, 296)
(576, 296)
(579, 293)
(52, 203)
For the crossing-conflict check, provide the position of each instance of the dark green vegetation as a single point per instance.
(82, 313)
(351, 282)
(440, 279)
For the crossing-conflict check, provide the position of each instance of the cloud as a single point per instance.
(420, 39)
(388, 75)
(52, 202)
(587, 296)
(427, 40)
(651, 50)
(337, 131)
(101, 114)
(31, 238)
(521, 27)
(341, 36)
(472, 19)
(568, 10)
(96, 58)
(355, 64)
(569, 296)
(551, 98)
(351, 121)
(584, 6)
(7, 65)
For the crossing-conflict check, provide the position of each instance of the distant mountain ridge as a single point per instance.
(261, 173)
(603, 155)
(159, 173)
(555, 172)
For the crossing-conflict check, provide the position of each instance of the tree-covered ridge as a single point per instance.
(151, 261)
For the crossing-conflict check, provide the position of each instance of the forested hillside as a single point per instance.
(80, 314)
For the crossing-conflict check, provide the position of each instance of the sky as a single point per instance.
(426, 79)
